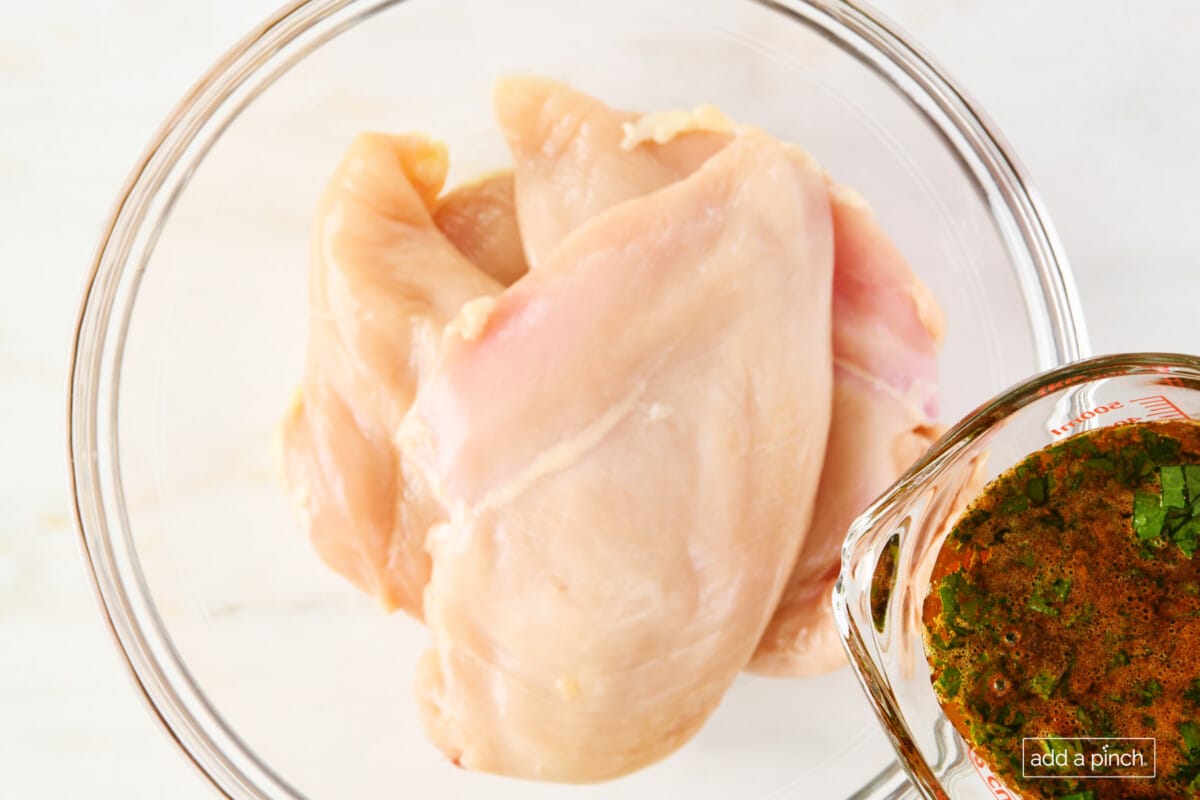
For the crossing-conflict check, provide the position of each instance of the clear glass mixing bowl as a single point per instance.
(277, 678)
(919, 511)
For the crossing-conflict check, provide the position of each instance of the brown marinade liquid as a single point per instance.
(1066, 603)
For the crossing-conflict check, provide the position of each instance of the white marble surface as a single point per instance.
(1097, 99)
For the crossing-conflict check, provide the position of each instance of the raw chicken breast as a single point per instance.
(382, 285)
(480, 219)
(569, 163)
(628, 443)
(886, 330)
(886, 324)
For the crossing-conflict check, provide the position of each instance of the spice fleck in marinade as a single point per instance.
(1066, 603)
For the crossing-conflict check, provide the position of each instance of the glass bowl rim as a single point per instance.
(229, 764)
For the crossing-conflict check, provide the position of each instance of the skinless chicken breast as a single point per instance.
(886, 324)
(568, 161)
(886, 330)
(383, 283)
(628, 447)
(601, 420)
(480, 219)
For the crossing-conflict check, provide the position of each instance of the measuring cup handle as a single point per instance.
(891, 783)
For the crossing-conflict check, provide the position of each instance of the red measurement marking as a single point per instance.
(1082, 419)
(1156, 407)
(1159, 407)
(990, 780)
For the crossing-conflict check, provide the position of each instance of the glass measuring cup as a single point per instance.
(890, 549)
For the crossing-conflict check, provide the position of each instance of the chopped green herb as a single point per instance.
(947, 593)
(1102, 724)
(1015, 504)
(1138, 464)
(1188, 537)
(1170, 481)
(949, 681)
(1043, 684)
(1053, 745)
(1147, 692)
(1081, 446)
(1162, 449)
(1037, 490)
(1082, 617)
(1190, 732)
(1041, 605)
(940, 643)
(883, 581)
(1191, 477)
(1148, 515)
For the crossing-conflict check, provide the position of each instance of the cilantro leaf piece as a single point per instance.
(1043, 683)
(1041, 605)
(949, 682)
(1191, 478)
(1192, 693)
(1170, 479)
(1190, 733)
(1148, 515)
(1037, 490)
(1147, 692)
(1188, 536)
(1162, 449)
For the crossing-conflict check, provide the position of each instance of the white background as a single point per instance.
(1098, 97)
